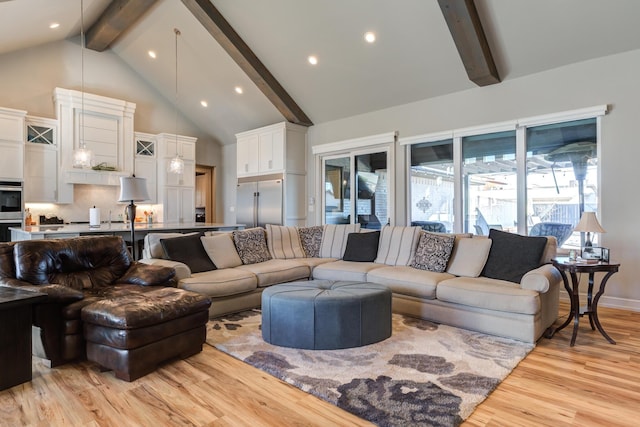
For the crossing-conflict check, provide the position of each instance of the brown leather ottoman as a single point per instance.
(133, 334)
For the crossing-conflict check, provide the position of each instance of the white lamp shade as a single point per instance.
(589, 224)
(133, 189)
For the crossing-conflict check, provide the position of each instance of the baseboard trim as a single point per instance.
(610, 302)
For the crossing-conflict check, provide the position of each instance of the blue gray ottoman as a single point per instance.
(326, 314)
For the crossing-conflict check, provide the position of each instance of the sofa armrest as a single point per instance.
(148, 275)
(182, 270)
(55, 293)
(541, 278)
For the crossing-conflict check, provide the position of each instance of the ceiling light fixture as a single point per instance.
(82, 157)
(176, 165)
(54, 25)
(152, 54)
(313, 60)
(239, 90)
(370, 37)
(204, 103)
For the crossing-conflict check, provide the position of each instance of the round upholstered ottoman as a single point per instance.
(326, 314)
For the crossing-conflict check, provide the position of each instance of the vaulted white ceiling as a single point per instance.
(413, 58)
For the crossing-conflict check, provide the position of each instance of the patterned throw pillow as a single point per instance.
(433, 252)
(311, 238)
(251, 245)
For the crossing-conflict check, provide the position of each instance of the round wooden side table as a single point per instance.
(573, 268)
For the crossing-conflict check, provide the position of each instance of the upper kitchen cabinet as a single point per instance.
(170, 145)
(106, 127)
(272, 149)
(12, 144)
(41, 160)
(146, 163)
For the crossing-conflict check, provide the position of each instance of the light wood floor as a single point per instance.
(592, 384)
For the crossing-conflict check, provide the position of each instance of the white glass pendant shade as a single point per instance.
(176, 165)
(82, 157)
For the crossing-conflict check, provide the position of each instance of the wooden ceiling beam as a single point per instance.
(116, 19)
(466, 29)
(228, 38)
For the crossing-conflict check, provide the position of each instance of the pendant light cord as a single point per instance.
(82, 142)
(177, 32)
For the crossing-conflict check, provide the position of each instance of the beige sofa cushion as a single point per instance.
(221, 250)
(469, 256)
(344, 270)
(277, 271)
(284, 242)
(220, 283)
(397, 245)
(409, 281)
(334, 239)
(492, 294)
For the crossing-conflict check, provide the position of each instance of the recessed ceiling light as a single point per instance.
(370, 37)
(238, 90)
(54, 25)
(204, 103)
(152, 53)
(313, 60)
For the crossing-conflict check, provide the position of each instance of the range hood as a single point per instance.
(88, 176)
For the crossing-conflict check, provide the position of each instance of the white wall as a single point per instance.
(611, 80)
(28, 77)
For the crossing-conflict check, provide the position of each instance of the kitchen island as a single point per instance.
(65, 231)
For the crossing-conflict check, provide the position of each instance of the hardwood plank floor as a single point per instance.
(593, 383)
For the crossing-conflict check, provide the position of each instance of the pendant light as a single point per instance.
(82, 157)
(176, 165)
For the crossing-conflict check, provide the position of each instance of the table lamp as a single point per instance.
(132, 190)
(589, 224)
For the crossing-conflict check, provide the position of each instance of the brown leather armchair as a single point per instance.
(73, 273)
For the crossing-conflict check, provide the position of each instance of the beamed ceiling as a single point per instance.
(424, 49)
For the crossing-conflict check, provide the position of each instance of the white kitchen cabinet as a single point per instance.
(247, 155)
(146, 164)
(12, 144)
(41, 161)
(178, 204)
(176, 192)
(271, 149)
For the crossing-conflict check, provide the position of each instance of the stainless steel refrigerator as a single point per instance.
(259, 201)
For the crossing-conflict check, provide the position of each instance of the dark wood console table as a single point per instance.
(573, 268)
(15, 335)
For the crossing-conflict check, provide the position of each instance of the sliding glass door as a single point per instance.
(356, 189)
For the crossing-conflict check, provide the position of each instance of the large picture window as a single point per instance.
(532, 176)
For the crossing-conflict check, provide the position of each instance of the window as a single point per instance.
(532, 176)
(432, 185)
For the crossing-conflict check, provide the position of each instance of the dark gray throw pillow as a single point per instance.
(362, 247)
(188, 250)
(512, 255)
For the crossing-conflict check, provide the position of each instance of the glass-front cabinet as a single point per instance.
(41, 161)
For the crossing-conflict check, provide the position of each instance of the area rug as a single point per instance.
(425, 374)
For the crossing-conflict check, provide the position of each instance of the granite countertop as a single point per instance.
(119, 227)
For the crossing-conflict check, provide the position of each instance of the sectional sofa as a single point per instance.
(502, 284)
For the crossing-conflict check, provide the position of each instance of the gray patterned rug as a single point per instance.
(425, 374)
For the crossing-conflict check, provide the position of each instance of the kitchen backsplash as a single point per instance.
(87, 196)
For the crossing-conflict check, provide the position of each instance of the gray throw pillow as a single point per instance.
(362, 247)
(512, 255)
(188, 250)
(433, 252)
(251, 245)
